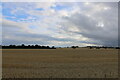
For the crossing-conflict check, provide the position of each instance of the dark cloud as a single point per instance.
(107, 35)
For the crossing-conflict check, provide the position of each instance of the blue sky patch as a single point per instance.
(59, 7)
(39, 9)
(7, 12)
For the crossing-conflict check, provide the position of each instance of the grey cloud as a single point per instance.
(107, 35)
(43, 36)
(18, 42)
(29, 38)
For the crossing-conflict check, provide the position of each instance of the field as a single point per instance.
(60, 63)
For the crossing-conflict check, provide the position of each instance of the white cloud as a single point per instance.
(44, 5)
(80, 24)
(12, 24)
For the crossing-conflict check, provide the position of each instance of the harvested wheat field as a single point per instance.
(60, 63)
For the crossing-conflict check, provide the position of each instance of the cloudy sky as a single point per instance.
(60, 23)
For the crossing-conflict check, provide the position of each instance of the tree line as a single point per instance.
(23, 46)
(95, 47)
(104, 47)
(27, 47)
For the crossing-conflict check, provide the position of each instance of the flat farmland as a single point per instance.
(60, 63)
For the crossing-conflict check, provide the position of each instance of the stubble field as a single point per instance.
(60, 63)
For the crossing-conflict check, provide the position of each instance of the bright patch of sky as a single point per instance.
(60, 7)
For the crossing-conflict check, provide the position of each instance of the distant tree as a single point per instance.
(14, 45)
(10, 45)
(22, 45)
(117, 48)
(28, 45)
(74, 47)
(77, 46)
(90, 47)
(47, 47)
(36, 45)
(53, 47)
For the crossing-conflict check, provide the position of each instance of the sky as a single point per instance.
(60, 23)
